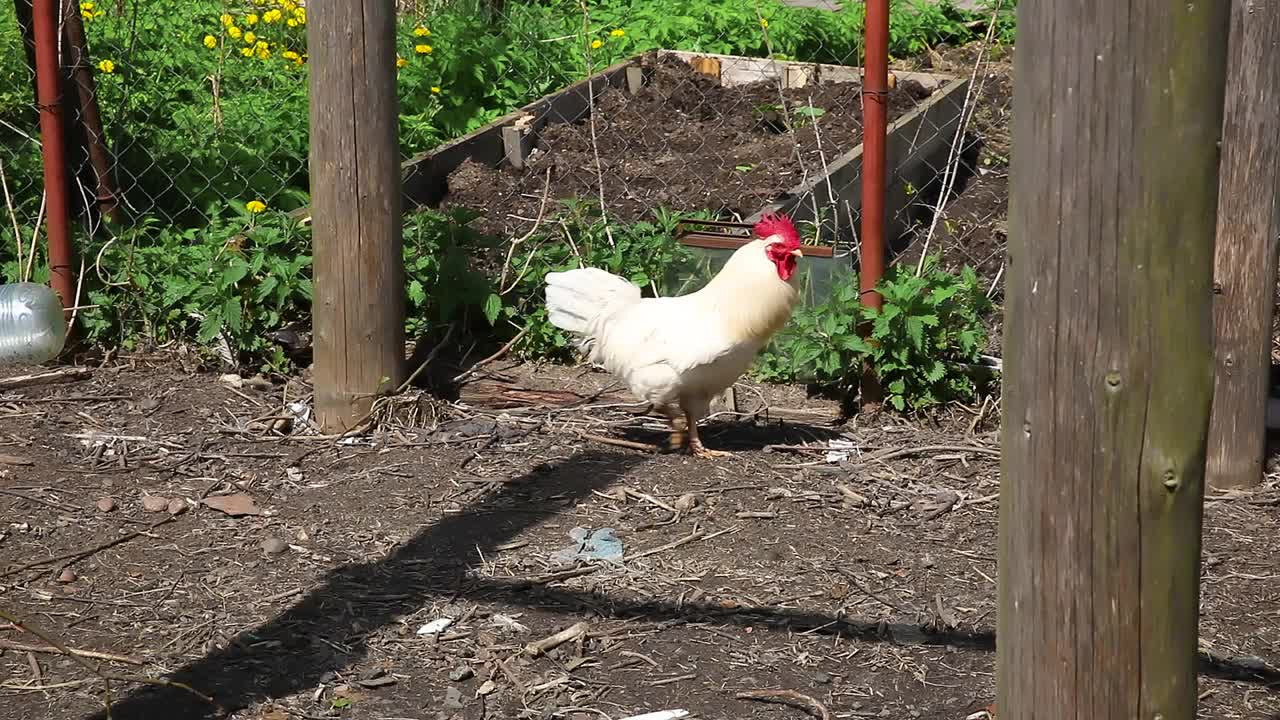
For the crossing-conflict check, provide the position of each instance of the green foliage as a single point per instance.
(203, 119)
(442, 284)
(236, 277)
(643, 252)
(928, 327)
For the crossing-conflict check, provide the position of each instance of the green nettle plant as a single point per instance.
(927, 332)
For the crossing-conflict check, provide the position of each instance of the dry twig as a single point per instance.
(791, 698)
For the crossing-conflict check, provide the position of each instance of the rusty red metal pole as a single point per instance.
(48, 89)
(875, 120)
(875, 100)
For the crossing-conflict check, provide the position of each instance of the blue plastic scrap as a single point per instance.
(602, 544)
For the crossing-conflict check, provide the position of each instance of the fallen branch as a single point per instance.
(34, 499)
(907, 452)
(81, 554)
(630, 445)
(51, 377)
(695, 535)
(496, 356)
(791, 698)
(547, 644)
(106, 678)
(53, 650)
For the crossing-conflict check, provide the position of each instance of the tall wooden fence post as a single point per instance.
(1108, 360)
(356, 207)
(1245, 259)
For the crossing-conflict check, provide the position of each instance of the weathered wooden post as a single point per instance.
(1245, 259)
(356, 206)
(1108, 361)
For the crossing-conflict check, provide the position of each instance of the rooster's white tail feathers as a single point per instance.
(576, 299)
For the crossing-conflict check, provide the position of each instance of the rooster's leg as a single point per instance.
(678, 436)
(695, 444)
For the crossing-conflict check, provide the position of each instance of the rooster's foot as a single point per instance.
(699, 450)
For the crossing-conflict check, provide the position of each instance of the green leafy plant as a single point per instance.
(236, 278)
(929, 328)
(643, 252)
(443, 284)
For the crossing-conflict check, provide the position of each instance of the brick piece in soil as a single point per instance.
(683, 143)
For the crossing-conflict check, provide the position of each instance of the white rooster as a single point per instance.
(677, 353)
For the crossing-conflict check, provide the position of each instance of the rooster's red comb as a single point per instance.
(772, 224)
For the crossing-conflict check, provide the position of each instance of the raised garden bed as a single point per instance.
(690, 132)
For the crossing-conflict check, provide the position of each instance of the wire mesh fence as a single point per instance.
(180, 116)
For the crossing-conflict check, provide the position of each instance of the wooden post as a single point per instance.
(355, 207)
(1245, 260)
(1108, 367)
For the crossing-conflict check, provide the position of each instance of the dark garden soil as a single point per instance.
(683, 143)
(865, 584)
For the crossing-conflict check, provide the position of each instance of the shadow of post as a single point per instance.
(289, 654)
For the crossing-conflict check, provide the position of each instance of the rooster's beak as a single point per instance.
(797, 253)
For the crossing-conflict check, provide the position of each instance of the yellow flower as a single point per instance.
(421, 32)
(227, 20)
(263, 53)
(86, 6)
(595, 44)
(246, 51)
(255, 206)
(301, 15)
(271, 16)
(764, 23)
(86, 14)
(291, 22)
(435, 90)
(288, 5)
(234, 32)
(250, 38)
(106, 66)
(251, 19)
(210, 42)
(290, 55)
(618, 32)
(401, 62)
(422, 49)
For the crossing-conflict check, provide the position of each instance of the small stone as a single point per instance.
(927, 562)
(155, 503)
(177, 506)
(274, 545)
(452, 698)
(461, 673)
(776, 493)
(822, 678)
(67, 576)
(687, 502)
(148, 404)
(328, 676)
(106, 504)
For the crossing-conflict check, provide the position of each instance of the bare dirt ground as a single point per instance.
(866, 584)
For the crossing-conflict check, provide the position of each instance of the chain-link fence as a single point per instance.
(181, 115)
